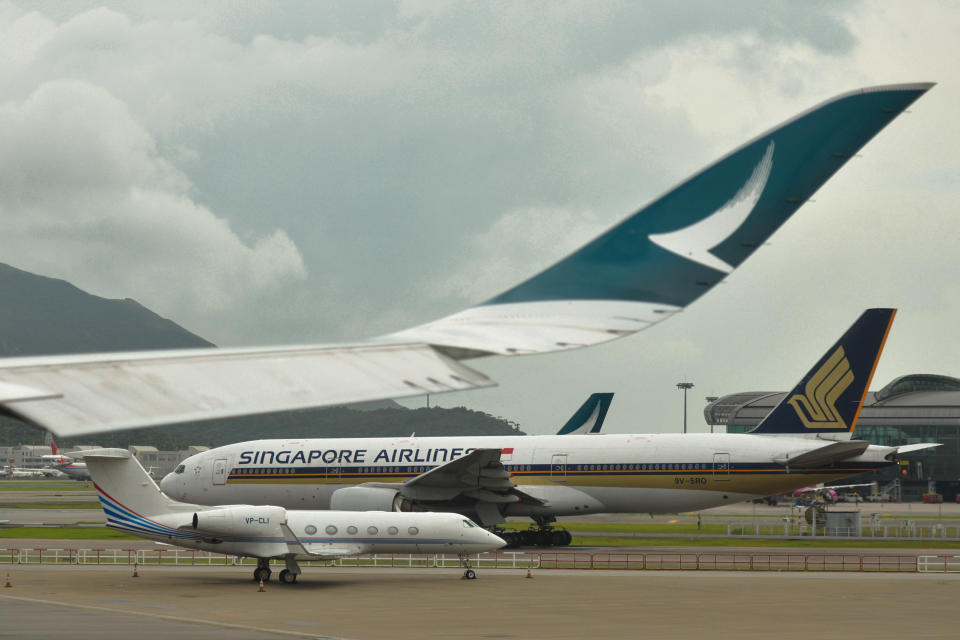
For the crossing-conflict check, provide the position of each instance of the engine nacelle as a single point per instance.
(241, 520)
(366, 499)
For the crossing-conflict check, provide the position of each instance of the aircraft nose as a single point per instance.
(166, 483)
(495, 540)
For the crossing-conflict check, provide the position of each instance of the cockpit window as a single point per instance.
(180, 469)
(469, 524)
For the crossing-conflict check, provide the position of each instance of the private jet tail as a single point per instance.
(130, 498)
(589, 417)
(829, 398)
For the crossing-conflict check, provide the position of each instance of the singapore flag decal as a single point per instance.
(695, 241)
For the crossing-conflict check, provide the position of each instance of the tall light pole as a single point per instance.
(685, 386)
(709, 400)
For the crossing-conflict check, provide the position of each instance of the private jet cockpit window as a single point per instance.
(469, 524)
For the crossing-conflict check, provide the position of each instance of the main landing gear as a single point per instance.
(544, 536)
(287, 576)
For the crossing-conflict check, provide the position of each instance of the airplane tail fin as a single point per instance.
(53, 447)
(589, 417)
(829, 398)
(127, 492)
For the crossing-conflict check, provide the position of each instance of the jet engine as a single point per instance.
(241, 520)
(363, 498)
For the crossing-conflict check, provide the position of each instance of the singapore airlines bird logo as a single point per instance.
(695, 241)
(817, 407)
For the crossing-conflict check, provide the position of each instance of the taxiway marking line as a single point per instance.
(160, 616)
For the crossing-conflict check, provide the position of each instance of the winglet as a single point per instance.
(589, 417)
(829, 398)
(672, 251)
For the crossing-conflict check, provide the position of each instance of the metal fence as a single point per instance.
(871, 528)
(815, 562)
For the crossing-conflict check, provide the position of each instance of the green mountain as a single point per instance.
(43, 316)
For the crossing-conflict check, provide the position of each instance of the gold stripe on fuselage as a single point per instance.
(753, 481)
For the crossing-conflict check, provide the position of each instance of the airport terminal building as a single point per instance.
(910, 409)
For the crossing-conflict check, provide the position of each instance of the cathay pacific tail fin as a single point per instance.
(589, 417)
(829, 398)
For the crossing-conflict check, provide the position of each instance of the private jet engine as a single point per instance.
(241, 520)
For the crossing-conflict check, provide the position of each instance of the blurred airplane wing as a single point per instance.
(648, 267)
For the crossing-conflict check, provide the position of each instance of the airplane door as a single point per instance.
(558, 467)
(220, 471)
(721, 466)
(332, 476)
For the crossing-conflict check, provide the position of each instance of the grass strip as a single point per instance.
(60, 533)
(67, 505)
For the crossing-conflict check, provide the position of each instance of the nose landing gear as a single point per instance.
(262, 572)
(468, 572)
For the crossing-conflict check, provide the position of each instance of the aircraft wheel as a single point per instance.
(558, 539)
(470, 574)
(288, 577)
(261, 573)
(567, 538)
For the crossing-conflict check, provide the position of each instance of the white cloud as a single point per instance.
(85, 196)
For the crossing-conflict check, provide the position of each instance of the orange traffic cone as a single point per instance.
(261, 589)
(8, 581)
(135, 574)
(529, 575)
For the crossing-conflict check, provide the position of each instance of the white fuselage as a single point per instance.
(316, 533)
(570, 474)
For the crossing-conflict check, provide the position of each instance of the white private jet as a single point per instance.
(133, 503)
(805, 440)
(645, 269)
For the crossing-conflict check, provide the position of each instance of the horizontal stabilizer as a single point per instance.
(834, 452)
(910, 448)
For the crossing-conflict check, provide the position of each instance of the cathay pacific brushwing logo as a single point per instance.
(695, 241)
(817, 407)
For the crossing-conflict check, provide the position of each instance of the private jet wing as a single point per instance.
(645, 269)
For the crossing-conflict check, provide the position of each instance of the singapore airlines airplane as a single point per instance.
(645, 269)
(805, 440)
(133, 503)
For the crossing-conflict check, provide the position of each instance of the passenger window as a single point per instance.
(331, 530)
(413, 531)
(352, 530)
(393, 531)
(310, 529)
(372, 530)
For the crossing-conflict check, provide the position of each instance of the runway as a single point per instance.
(362, 604)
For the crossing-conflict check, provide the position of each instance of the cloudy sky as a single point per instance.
(298, 172)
